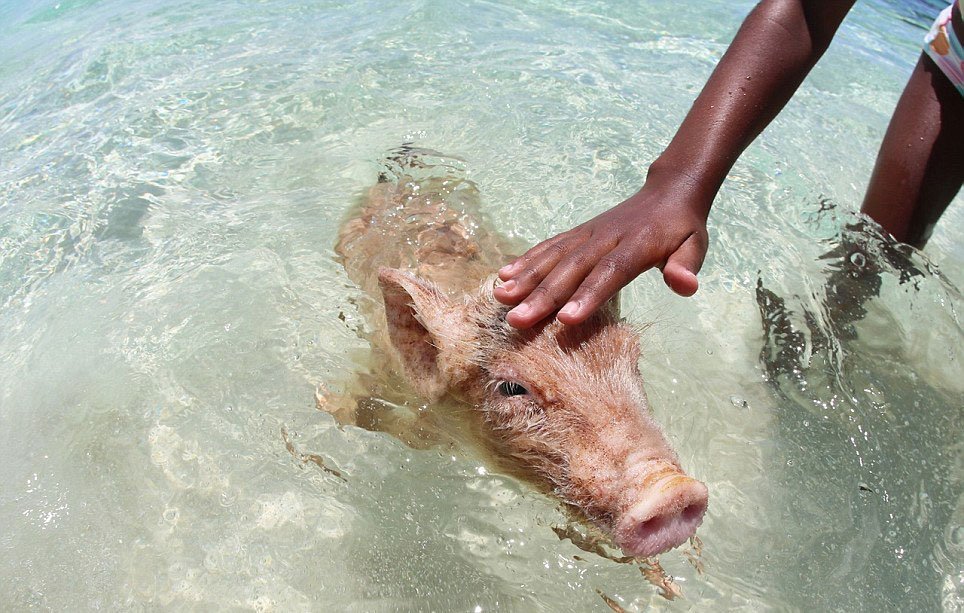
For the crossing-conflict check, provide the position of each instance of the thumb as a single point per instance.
(679, 271)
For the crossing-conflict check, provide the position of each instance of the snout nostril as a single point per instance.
(667, 529)
(663, 519)
(693, 512)
(651, 526)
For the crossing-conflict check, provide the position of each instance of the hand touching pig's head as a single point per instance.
(566, 402)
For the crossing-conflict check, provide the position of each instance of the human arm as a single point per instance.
(664, 224)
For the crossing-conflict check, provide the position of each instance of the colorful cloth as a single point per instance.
(944, 47)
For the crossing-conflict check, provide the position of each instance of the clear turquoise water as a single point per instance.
(172, 179)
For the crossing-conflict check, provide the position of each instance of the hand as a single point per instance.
(581, 269)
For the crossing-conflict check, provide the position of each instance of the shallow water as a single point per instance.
(173, 175)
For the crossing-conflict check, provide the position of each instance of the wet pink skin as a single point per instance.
(566, 403)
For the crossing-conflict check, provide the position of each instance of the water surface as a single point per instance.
(173, 175)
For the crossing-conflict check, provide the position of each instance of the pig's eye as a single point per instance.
(511, 388)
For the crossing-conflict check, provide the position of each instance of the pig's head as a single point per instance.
(566, 402)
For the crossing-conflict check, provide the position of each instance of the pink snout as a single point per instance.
(666, 515)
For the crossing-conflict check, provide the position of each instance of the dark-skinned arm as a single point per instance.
(664, 224)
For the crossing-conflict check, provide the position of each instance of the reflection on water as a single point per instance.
(173, 178)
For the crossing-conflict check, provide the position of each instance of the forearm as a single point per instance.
(774, 50)
(664, 224)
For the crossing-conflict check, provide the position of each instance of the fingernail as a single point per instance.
(520, 310)
(570, 309)
(508, 269)
(509, 285)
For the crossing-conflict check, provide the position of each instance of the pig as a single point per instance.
(564, 403)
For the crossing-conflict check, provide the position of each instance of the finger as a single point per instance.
(536, 269)
(679, 271)
(534, 309)
(610, 274)
(556, 289)
(518, 265)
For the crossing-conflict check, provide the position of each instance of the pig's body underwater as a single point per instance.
(565, 403)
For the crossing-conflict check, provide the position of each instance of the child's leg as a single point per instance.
(920, 166)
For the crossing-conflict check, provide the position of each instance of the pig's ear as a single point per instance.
(418, 316)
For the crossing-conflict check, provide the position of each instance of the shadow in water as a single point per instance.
(868, 440)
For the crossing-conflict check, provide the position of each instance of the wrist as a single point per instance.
(682, 182)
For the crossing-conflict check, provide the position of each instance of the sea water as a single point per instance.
(172, 178)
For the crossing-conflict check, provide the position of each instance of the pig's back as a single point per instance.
(422, 215)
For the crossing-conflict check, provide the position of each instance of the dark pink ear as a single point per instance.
(415, 310)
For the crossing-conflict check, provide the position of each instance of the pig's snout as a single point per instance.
(667, 510)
